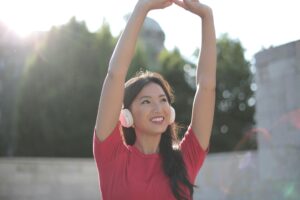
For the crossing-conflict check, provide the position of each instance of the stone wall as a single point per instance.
(223, 176)
(228, 176)
(48, 179)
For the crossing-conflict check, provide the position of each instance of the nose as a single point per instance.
(157, 107)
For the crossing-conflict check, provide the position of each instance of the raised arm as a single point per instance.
(204, 101)
(113, 87)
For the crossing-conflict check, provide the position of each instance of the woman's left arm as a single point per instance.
(204, 101)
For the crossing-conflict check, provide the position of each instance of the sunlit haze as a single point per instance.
(257, 24)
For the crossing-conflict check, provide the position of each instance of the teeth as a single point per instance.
(157, 119)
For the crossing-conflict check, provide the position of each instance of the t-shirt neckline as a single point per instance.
(136, 151)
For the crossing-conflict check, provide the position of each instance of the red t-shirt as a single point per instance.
(125, 173)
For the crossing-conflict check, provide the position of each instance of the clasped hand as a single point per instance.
(193, 6)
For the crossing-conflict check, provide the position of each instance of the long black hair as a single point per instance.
(172, 161)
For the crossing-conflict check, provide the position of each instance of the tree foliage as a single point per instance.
(12, 54)
(172, 68)
(233, 114)
(60, 93)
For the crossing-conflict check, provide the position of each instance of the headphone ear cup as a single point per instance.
(172, 115)
(126, 118)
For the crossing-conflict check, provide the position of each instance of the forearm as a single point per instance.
(125, 48)
(112, 93)
(206, 70)
(113, 88)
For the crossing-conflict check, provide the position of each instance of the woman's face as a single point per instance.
(151, 110)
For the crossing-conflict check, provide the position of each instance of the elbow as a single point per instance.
(117, 68)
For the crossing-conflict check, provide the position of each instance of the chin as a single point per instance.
(159, 130)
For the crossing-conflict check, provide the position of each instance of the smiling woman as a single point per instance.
(139, 160)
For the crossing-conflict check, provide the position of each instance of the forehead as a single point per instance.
(151, 89)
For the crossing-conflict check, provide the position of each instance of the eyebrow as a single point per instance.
(149, 97)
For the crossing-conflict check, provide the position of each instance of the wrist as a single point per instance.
(206, 13)
(143, 6)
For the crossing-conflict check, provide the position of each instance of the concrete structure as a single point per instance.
(272, 172)
(48, 179)
(77, 179)
(153, 36)
(152, 39)
(278, 112)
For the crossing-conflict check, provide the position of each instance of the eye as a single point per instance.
(145, 101)
(164, 99)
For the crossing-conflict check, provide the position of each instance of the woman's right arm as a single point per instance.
(113, 87)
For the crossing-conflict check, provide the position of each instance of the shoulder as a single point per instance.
(110, 147)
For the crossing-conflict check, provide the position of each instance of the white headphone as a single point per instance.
(126, 118)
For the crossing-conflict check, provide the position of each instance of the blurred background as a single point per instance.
(53, 60)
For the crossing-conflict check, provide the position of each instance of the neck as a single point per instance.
(147, 144)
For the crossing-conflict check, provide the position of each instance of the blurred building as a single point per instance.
(278, 112)
(272, 171)
(152, 40)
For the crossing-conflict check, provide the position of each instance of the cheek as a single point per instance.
(139, 114)
(166, 109)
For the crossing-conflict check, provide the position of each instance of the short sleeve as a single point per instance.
(107, 150)
(193, 154)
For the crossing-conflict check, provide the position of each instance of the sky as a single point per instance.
(257, 24)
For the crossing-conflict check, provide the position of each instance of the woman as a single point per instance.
(135, 151)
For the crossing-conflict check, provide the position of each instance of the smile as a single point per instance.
(157, 119)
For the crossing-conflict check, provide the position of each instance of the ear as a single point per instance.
(126, 118)
(172, 115)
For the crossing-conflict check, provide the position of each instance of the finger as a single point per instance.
(180, 3)
(188, 3)
(167, 4)
(191, 3)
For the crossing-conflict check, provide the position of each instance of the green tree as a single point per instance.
(60, 93)
(233, 114)
(172, 68)
(12, 55)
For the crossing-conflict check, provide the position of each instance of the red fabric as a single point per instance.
(125, 173)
